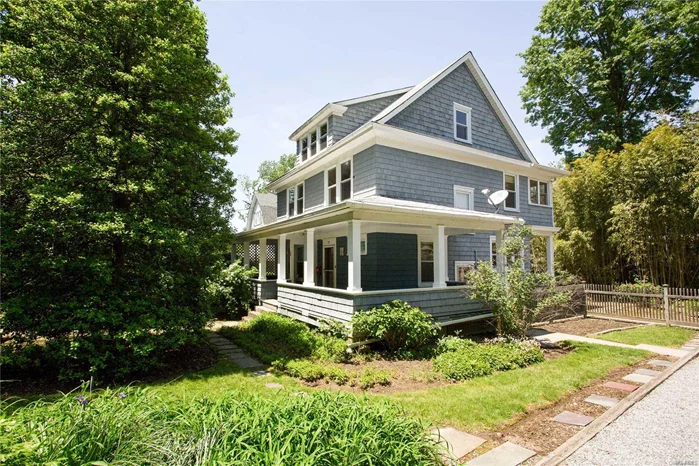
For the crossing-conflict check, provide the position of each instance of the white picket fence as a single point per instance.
(673, 306)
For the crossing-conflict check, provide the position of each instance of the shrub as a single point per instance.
(138, 427)
(462, 365)
(461, 359)
(229, 292)
(400, 325)
(370, 377)
(336, 374)
(271, 337)
(334, 328)
(304, 369)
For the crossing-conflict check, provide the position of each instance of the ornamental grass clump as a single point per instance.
(141, 428)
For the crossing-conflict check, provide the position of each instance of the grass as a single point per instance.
(659, 335)
(488, 402)
(162, 427)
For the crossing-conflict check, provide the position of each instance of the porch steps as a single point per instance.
(268, 305)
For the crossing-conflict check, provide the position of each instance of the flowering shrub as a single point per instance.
(229, 293)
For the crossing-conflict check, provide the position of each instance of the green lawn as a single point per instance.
(487, 402)
(659, 335)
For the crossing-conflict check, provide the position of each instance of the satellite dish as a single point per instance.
(498, 197)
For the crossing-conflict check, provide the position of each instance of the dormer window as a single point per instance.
(314, 142)
(462, 123)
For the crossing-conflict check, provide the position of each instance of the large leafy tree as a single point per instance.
(598, 71)
(115, 195)
(268, 171)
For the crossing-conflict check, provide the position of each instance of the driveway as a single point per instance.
(661, 429)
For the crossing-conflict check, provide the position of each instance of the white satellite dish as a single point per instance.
(498, 197)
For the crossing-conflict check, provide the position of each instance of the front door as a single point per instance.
(329, 266)
(298, 264)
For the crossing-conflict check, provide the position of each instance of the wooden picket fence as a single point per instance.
(673, 306)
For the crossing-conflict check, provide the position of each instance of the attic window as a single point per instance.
(257, 217)
(462, 123)
(314, 142)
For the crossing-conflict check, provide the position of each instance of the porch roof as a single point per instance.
(376, 208)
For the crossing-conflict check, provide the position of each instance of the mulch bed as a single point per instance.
(538, 431)
(44, 382)
(584, 327)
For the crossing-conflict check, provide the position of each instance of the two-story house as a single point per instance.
(386, 201)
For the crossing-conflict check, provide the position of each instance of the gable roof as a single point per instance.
(413, 94)
(268, 206)
(377, 95)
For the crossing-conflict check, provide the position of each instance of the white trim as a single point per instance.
(322, 114)
(504, 204)
(425, 239)
(549, 197)
(370, 97)
(458, 264)
(493, 239)
(364, 239)
(485, 86)
(303, 199)
(467, 190)
(544, 231)
(338, 182)
(329, 243)
(466, 110)
(321, 289)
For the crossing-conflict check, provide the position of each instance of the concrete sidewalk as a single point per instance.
(555, 337)
(661, 429)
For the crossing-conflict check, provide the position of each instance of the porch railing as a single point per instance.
(673, 306)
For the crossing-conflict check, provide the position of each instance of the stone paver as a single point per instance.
(274, 385)
(647, 372)
(637, 378)
(605, 401)
(458, 443)
(621, 386)
(233, 352)
(660, 429)
(507, 454)
(660, 362)
(575, 419)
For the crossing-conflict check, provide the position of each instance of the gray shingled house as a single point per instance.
(386, 201)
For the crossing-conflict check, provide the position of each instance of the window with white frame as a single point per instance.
(493, 252)
(511, 185)
(257, 216)
(299, 199)
(539, 193)
(290, 201)
(462, 123)
(463, 198)
(426, 272)
(339, 183)
(314, 142)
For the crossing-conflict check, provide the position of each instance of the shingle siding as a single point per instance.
(314, 190)
(467, 248)
(364, 167)
(433, 114)
(390, 262)
(356, 115)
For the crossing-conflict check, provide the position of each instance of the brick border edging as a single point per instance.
(562, 453)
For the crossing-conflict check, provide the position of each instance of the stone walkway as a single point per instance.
(234, 352)
(662, 428)
(460, 444)
(555, 337)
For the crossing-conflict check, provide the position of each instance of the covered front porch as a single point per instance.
(365, 253)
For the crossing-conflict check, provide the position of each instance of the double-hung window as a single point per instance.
(462, 123)
(339, 183)
(299, 199)
(304, 149)
(539, 193)
(314, 142)
(463, 198)
(323, 136)
(290, 200)
(511, 184)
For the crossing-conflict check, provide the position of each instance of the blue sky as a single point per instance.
(285, 60)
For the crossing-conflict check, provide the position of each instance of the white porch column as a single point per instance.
(246, 254)
(354, 255)
(499, 256)
(549, 254)
(440, 247)
(281, 265)
(309, 273)
(446, 258)
(262, 275)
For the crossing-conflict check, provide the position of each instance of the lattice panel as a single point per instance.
(271, 260)
(254, 255)
(238, 249)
